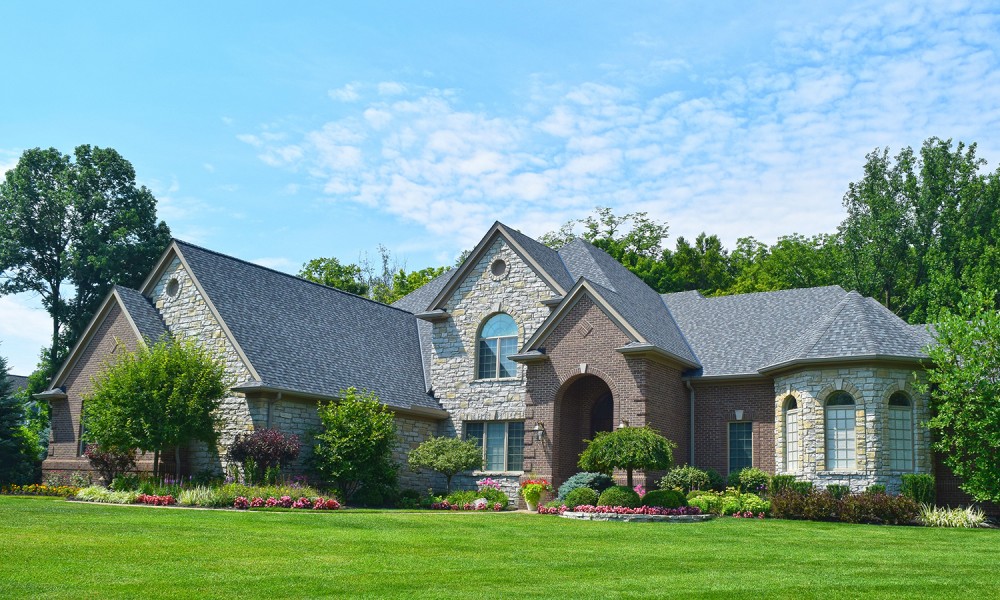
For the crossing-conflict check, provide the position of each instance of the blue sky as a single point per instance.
(283, 134)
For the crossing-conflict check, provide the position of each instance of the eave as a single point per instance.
(256, 387)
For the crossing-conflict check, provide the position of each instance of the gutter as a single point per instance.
(687, 383)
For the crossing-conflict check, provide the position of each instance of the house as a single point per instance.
(532, 351)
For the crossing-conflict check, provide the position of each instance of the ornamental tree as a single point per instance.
(964, 383)
(161, 396)
(446, 455)
(262, 450)
(627, 448)
(353, 449)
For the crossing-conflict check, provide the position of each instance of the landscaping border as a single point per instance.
(608, 516)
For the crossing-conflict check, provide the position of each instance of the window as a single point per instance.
(497, 341)
(81, 448)
(740, 446)
(791, 434)
(840, 422)
(502, 443)
(900, 432)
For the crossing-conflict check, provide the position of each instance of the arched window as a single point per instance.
(791, 410)
(900, 432)
(840, 422)
(497, 341)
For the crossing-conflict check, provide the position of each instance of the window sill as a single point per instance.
(497, 380)
(498, 473)
(841, 472)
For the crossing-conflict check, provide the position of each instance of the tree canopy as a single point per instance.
(76, 223)
(964, 383)
(17, 452)
(446, 455)
(386, 282)
(164, 395)
(627, 448)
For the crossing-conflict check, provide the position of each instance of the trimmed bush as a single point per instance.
(716, 482)
(838, 491)
(751, 480)
(665, 499)
(685, 478)
(854, 508)
(595, 481)
(918, 487)
(875, 488)
(262, 451)
(493, 496)
(802, 487)
(581, 496)
(462, 497)
(619, 495)
(734, 502)
(708, 503)
(109, 463)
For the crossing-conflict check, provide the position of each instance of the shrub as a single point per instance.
(196, 496)
(581, 496)
(853, 508)
(125, 483)
(109, 464)
(263, 451)
(918, 487)
(875, 488)
(750, 479)
(780, 483)
(664, 499)
(408, 499)
(970, 517)
(707, 503)
(462, 497)
(838, 491)
(734, 501)
(595, 481)
(627, 448)
(353, 448)
(532, 489)
(619, 495)
(493, 496)
(40, 489)
(716, 482)
(802, 487)
(446, 455)
(96, 493)
(685, 478)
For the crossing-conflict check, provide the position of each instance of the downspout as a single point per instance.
(690, 388)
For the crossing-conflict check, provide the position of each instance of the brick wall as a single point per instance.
(581, 365)
(714, 408)
(113, 335)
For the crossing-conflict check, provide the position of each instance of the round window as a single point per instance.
(173, 286)
(498, 268)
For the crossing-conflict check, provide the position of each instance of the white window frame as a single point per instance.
(791, 443)
(506, 444)
(834, 416)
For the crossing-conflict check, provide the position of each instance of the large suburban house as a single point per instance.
(531, 351)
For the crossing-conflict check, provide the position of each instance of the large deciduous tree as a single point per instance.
(70, 228)
(385, 283)
(964, 383)
(162, 396)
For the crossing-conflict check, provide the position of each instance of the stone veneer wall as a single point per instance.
(518, 292)
(871, 388)
(188, 316)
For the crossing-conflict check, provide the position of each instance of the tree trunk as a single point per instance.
(156, 463)
(628, 478)
(177, 462)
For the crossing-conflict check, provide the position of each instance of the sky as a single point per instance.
(281, 134)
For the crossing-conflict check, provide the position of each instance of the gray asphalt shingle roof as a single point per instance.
(639, 304)
(548, 259)
(310, 338)
(418, 301)
(742, 334)
(18, 382)
(143, 313)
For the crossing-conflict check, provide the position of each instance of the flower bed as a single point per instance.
(479, 504)
(154, 500)
(623, 510)
(37, 489)
(303, 502)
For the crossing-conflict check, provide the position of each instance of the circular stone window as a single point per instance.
(498, 269)
(173, 286)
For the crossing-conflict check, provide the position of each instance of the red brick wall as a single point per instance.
(714, 407)
(560, 396)
(63, 456)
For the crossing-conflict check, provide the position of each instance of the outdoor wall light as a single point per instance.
(539, 430)
(623, 424)
(739, 415)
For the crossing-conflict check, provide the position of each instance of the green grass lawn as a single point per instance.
(50, 548)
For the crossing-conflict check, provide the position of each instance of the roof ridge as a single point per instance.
(289, 275)
(767, 292)
(815, 334)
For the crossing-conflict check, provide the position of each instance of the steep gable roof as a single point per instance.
(416, 301)
(637, 303)
(308, 338)
(142, 313)
(543, 260)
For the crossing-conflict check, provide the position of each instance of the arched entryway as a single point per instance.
(584, 407)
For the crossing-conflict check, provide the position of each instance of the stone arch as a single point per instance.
(883, 426)
(840, 385)
(781, 402)
(483, 317)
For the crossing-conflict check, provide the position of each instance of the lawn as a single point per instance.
(50, 548)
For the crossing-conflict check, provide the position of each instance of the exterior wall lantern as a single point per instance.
(739, 415)
(623, 424)
(539, 430)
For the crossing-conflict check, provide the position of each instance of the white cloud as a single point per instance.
(765, 149)
(348, 93)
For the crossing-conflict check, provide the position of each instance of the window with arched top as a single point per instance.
(900, 432)
(497, 341)
(839, 430)
(791, 417)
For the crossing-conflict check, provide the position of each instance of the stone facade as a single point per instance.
(519, 292)
(871, 388)
(187, 315)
